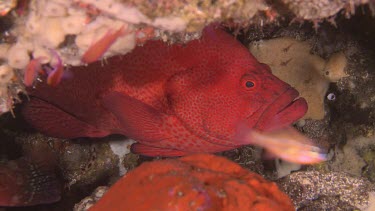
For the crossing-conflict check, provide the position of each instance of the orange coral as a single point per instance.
(196, 182)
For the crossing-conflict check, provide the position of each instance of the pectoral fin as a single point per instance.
(138, 120)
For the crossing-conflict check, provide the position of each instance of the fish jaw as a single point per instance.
(287, 108)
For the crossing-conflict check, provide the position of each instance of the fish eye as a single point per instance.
(249, 84)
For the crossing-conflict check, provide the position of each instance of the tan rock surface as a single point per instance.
(291, 61)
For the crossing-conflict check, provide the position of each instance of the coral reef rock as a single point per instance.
(291, 61)
(319, 9)
(356, 157)
(312, 190)
(89, 201)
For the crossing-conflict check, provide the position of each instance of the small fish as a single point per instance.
(56, 74)
(6, 6)
(29, 180)
(96, 50)
(173, 99)
(32, 70)
(285, 143)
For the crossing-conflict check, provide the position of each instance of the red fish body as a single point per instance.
(172, 99)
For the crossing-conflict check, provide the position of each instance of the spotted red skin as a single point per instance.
(186, 98)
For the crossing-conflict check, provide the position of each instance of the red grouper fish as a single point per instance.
(173, 99)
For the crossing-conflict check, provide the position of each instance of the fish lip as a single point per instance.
(291, 94)
(294, 95)
(284, 101)
(290, 90)
(299, 98)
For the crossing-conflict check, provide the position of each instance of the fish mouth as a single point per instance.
(293, 93)
(287, 108)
